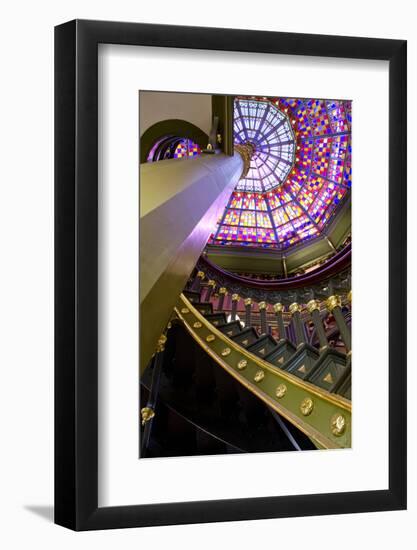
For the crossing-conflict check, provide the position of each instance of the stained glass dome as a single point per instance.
(300, 172)
(268, 130)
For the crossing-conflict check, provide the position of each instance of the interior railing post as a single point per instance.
(295, 311)
(349, 297)
(210, 289)
(222, 294)
(279, 308)
(262, 311)
(334, 305)
(313, 307)
(148, 413)
(196, 286)
(235, 300)
(248, 312)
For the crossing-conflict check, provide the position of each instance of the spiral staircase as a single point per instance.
(279, 380)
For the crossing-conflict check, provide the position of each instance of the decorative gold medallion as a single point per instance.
(281, 391)
(262, 305)
(185, 310)
(338, 424)
(147, 414)
(260, 375)
(226, 352)
(235, 297)
(242, 364)
(307, 406)
(201, 274)
(302, 369)
(210, 338)
(197, 324)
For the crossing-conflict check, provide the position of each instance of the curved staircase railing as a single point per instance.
(323, 416)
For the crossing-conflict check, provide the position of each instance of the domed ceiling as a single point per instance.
(299, 175)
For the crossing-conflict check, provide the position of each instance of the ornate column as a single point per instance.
(210, 289)
(334, 305)
(196, 286)
(248, 312)
(279, 308)
(171, 241)
(313, 308)
(235, 299)
(222, 294)
(262, 311)
(295, 310)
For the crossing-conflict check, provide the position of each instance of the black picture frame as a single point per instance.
(76, 272)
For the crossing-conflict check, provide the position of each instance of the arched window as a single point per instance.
(169, 147)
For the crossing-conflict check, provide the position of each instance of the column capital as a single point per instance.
(313, 305)
(223, 290)
(248, 301)
(245, 150)
(278, 307)
(201, 274)
(332, 302)
(262, 305)
(294, 307)
(212, 283)
(235, 297)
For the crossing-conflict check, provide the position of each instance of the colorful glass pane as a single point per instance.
(248, 218)
(263, 219)
(318, 117)
(337, 116)
(232, 217)
(186, 148)
(290, 201)
(322, 149)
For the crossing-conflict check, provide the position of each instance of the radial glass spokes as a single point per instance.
(269, 131)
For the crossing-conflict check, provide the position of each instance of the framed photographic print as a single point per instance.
(230, 275)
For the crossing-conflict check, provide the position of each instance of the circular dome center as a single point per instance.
(268, 130)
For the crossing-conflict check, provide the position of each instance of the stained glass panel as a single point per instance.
(186, 148)
(300, 172)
